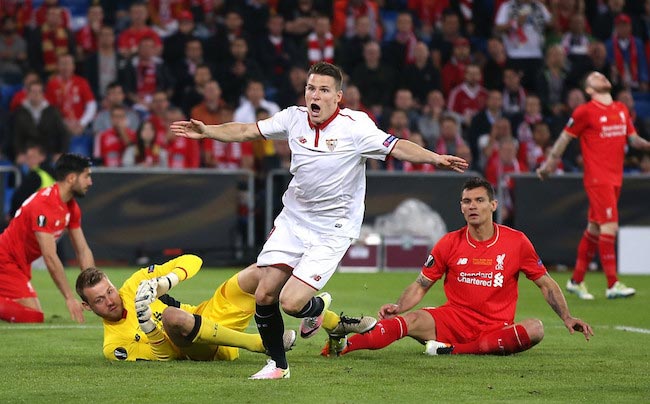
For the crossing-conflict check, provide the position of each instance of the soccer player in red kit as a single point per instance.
(481, 263)
(33, 232)
(604, 127)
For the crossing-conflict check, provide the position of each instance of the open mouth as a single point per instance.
(315, 108)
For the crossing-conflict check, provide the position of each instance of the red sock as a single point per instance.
(607, 248)
(385, 333)
(505, 341)
(586, 252)
(17, 313)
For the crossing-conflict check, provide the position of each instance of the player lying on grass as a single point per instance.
(481, 263)
(142, 322)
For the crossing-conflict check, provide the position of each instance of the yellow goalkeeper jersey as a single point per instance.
(124, 340)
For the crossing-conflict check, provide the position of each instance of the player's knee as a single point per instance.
(535, 329)
(173, 318)
(291, 306)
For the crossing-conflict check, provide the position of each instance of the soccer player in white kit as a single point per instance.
(323, 204)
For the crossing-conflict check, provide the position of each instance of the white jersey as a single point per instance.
(328, 188)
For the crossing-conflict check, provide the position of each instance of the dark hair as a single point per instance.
(141, 154)
(70, 163)
(477, 182)
(87, 279)
(327, 69)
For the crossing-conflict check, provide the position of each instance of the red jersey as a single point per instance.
(603, 131)
(17, 99)
(45, 212)
(481, 276)
(110, 147)
(130, 38)
(183, 153)
(86, 39)
(69, 96)
(463, 99)
(227, 155)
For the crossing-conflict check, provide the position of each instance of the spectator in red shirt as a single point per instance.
(151, 74)
(468, 98)
(110, 144)
(130, 38)
(72, 95)
(605, 128)
(182, 152)
(347, 12)
(39, 15)
(481, 263)
(86, 37)
(453, 72)
(20, 95)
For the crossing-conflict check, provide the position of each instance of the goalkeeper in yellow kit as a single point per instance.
(142, 322)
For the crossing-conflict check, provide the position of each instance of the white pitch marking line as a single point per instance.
(19, 327)
(632, 329)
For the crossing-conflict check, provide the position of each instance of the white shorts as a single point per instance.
(313, 256)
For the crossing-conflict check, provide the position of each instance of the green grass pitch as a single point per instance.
(60, 361)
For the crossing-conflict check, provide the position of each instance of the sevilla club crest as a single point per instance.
(331, 143)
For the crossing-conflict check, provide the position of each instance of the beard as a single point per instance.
(78, 193)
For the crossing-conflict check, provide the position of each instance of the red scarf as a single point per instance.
(146, 78)
(620, 62)
(320, 49)
(151, 155)
(54, 43)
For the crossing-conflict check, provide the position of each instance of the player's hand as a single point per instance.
(147, 291)
(388, 311)
(76, 309)
(543, 171)
(575, 324)
(192, 129)
(143, 311)
(450, 162)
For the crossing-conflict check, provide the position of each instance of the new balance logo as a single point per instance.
(462, 261)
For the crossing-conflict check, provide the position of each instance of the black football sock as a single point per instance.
(271, 328)
(313, 308)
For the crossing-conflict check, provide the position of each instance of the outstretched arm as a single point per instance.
(408, 151)
(554, 157)
(227, 132)
(411, 296)
(554, 297)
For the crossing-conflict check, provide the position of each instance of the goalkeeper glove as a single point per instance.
(146, 291)
(143, 311)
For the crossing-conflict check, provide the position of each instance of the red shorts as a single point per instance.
(603, 203)
(14, 283)
(455, 325)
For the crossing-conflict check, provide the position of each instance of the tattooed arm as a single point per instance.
(411, 296)
(554, 297)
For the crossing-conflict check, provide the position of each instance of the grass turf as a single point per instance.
(60, 361)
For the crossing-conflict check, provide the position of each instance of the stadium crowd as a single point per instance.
(492, 81)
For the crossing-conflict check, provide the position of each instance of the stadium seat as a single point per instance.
(7, 92)
(389, 19)
(642, 108)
